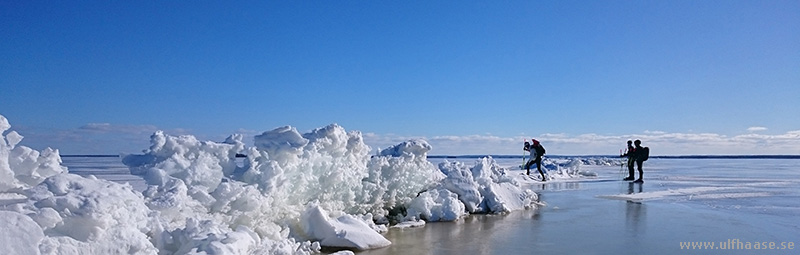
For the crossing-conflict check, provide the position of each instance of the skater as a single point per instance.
(629, 153)
(641, 154)
(537, 151)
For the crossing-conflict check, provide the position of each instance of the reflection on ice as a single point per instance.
(635, 188)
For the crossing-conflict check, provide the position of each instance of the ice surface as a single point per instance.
(682, 200)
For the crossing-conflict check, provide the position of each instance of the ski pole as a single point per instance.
(523, 154)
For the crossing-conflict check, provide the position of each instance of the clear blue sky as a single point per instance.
(689, 77)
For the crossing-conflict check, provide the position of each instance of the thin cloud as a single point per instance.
(756, 129)
(111, 128)
(94, 138)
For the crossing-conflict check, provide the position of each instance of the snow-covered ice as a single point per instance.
(292, 194)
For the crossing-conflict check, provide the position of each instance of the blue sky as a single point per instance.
(686, 77)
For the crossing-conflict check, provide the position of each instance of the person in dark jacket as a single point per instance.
(537, 151)
(640, 158)
(629, 153)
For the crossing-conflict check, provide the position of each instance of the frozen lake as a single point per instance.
(706, 201)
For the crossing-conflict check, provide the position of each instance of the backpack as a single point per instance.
(540, 150)
(645, 154)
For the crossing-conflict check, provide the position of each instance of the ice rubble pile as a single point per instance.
(292, 194)
(46, 210)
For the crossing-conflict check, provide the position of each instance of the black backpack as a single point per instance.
(540, 150)
(645, 154)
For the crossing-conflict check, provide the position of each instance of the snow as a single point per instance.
(663, 193)
(21, 234)
(293, 194)
(690, 193)
(22, 167)
(343, 231)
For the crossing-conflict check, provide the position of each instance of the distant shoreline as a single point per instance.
(554, 156)
(89, 156)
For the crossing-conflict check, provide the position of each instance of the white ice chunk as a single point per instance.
(344, 231)
(19, 234)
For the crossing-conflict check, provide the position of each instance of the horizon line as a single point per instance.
(688, 156)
